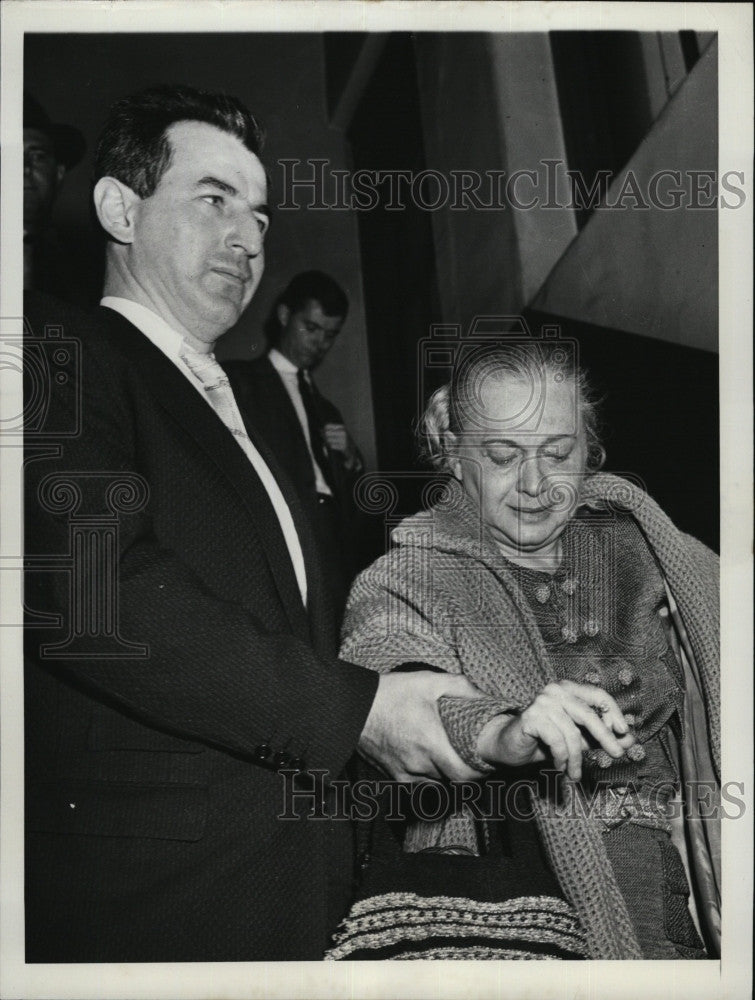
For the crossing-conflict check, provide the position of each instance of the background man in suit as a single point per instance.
(189, 652)
(277, 395)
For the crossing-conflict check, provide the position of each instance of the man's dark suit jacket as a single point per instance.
(152, 791)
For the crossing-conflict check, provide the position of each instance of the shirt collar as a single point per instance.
(281, 363)
(154, 327)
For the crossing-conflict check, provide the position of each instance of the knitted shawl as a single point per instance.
(444, 595)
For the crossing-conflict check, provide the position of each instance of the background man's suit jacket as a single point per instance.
(267, 408)
(151, 782)
(268, 412)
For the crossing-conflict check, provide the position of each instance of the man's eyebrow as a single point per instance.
(217, 183)
(227, 188)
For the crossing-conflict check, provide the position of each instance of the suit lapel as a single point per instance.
(319, 601)
(177, 397)
(321, 614)
(288, 437)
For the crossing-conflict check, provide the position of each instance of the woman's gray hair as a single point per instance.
(455, 403)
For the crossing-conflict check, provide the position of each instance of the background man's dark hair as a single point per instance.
(133, 146)
(305, 286)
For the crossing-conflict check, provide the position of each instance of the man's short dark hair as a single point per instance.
(305, 286)
(133, 146)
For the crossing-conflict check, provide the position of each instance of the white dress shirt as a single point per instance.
(173, 345)
(289, 374)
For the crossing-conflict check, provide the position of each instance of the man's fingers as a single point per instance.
(421, 770)
(446, 763)
(408, 778)
(431, 774)
(336, 436)
(404, 734)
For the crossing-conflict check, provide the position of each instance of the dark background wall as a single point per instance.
(659, 411)
(638, 289)
(650, 270)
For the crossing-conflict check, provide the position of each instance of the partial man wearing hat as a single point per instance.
(50, 150)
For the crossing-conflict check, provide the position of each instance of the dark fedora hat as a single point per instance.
(68, 142)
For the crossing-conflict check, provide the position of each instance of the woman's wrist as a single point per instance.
(464, 719)
(489, 740)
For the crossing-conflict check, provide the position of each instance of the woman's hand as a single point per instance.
(558, 724)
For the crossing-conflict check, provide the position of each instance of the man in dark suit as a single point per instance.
(51, 149)
(180, 640)
(278, 397)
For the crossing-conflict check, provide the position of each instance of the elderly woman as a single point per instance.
(590, 625)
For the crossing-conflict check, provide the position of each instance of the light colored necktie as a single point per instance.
(219, 394)
(217, 389)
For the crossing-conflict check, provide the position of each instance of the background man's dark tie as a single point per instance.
(314, 421)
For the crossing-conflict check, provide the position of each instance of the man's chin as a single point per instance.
(218, 319)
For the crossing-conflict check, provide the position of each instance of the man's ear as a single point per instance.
(60, 172)
(115, 204)
(283, 313)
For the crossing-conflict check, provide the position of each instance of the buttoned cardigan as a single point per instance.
(445, 596)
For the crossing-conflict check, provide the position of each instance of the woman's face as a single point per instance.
(520, 457)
